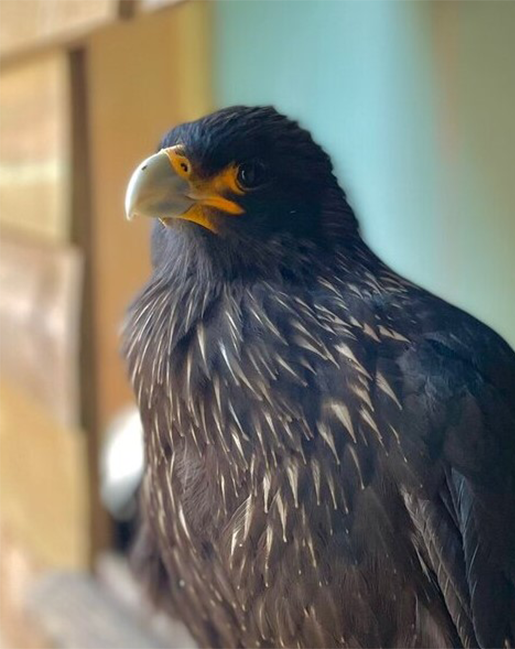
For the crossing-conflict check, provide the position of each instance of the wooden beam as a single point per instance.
(83, 236)
(29, 24)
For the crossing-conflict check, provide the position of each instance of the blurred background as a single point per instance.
(415, 101)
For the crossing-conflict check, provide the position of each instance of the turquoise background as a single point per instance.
(415, 103)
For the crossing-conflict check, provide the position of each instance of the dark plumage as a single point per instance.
(330, 449)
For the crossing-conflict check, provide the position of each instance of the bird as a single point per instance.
(329, 448)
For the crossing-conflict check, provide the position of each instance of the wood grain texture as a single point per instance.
(43, 481)
(39, 317)
(29, 23)
(100, 531)
(34, 147)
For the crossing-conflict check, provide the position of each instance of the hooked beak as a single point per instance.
(157, 190)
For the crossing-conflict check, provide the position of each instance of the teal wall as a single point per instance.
(369, 79)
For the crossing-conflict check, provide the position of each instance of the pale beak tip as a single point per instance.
(155, 190)
(131, 194)
(129, 214)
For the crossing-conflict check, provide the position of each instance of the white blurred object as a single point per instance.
(121, 464)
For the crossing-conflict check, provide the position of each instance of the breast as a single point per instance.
(269, 482)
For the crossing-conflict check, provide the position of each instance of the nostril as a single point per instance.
(184, 167)
(143, 167)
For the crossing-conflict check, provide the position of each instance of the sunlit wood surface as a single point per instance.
(34, 148)
(43, 482)
(26, 23)
(40, 304)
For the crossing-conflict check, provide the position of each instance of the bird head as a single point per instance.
(241, 177)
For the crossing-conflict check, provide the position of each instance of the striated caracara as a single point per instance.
(330, 450)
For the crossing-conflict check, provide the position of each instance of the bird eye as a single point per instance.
(252, 174)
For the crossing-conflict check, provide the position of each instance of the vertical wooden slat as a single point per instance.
(83, 235)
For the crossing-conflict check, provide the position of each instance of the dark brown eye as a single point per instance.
(252, 174)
